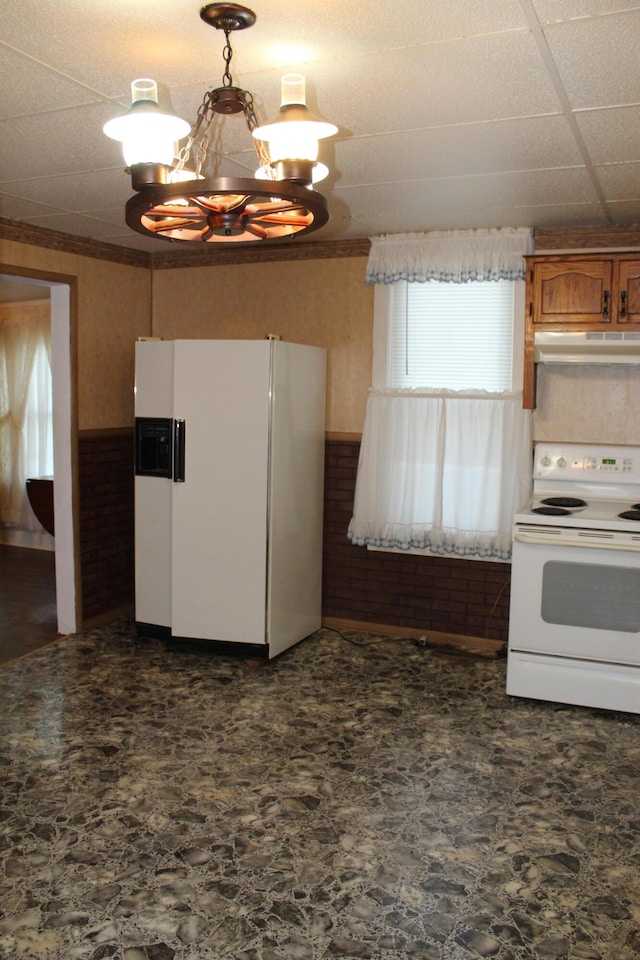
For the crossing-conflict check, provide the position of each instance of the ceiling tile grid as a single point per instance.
(452, 114)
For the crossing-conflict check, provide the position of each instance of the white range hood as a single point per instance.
(590, 346)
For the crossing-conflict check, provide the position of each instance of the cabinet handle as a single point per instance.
(623, 304)
(605, 305)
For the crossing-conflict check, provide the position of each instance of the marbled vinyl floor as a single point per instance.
(369, 801)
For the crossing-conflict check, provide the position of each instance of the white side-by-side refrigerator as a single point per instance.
(229, 475)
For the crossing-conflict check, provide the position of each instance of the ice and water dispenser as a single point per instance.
(160, 448)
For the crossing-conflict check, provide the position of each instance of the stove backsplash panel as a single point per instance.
(579, 403)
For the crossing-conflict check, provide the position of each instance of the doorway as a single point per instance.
(59, 289)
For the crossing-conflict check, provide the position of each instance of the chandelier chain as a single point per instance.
(227, 53)
(251, 120)
(183, 154)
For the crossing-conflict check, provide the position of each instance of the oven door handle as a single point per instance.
(523, 536)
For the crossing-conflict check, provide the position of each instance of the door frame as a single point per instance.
(63, 298)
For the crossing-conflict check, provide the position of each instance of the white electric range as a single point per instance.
(574, 627)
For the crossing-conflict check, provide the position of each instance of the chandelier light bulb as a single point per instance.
(146, 132)
(292, 136)
(319, 172)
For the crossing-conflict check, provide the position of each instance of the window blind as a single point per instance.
(454, 336)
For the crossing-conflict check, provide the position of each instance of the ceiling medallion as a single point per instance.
(174, 200)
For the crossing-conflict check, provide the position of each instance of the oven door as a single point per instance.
(574, 625)
(575, 600)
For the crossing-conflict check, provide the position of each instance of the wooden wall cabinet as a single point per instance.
(578, 292)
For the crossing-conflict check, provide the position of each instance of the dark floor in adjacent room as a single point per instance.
(28, 617)
(368, 799)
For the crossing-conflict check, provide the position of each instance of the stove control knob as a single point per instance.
(546, 460)
(562, 462)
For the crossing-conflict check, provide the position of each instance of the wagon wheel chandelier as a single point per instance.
(175, 201)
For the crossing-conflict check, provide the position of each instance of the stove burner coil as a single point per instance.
(552, 511)
(564, 502)
(633, 514)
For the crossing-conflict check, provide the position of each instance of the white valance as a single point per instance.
(452, 256)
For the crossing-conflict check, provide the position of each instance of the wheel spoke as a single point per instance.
(257, 230)
(283, 221)
(268, 208)
(174, 223)
(174, 210)
(235, 203)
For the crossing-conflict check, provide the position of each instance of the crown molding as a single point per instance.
(204, 255)
(68, 243)
(562, 239)
(215, 255)
(545, 238)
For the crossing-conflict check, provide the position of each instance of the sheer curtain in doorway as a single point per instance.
(26, 429)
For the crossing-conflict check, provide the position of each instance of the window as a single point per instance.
(454, 336)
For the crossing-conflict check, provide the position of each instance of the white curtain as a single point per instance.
(443, 471)
(26, 433)
(452, 256)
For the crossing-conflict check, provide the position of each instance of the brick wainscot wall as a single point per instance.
(462, 602)
(105, 477)
(447, 601)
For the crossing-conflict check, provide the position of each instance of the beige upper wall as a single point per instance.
(113, 309)
(325, 303)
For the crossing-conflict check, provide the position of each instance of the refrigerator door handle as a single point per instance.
(179, 439)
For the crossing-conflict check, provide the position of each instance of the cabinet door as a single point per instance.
(570, 292)
(629, 291)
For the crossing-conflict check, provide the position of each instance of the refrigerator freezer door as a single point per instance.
(153, 399)
(219, 531)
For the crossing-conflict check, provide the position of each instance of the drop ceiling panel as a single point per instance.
(100, 44)
(62, 142)
(550, 11)
(29, 88)
(20, 208)
(136, 241)
(611, 135)
(411, 219)
(477, 192)
(80, 192)
(367, 25)
(462, 150)
(105, 42)
(447, 84)
(626, 212)
(77, 225)
(598, 59)
(416, 86)
(620, 181)
(450, 114)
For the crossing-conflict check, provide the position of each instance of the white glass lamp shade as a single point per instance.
(294, 133)
(147, 134)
